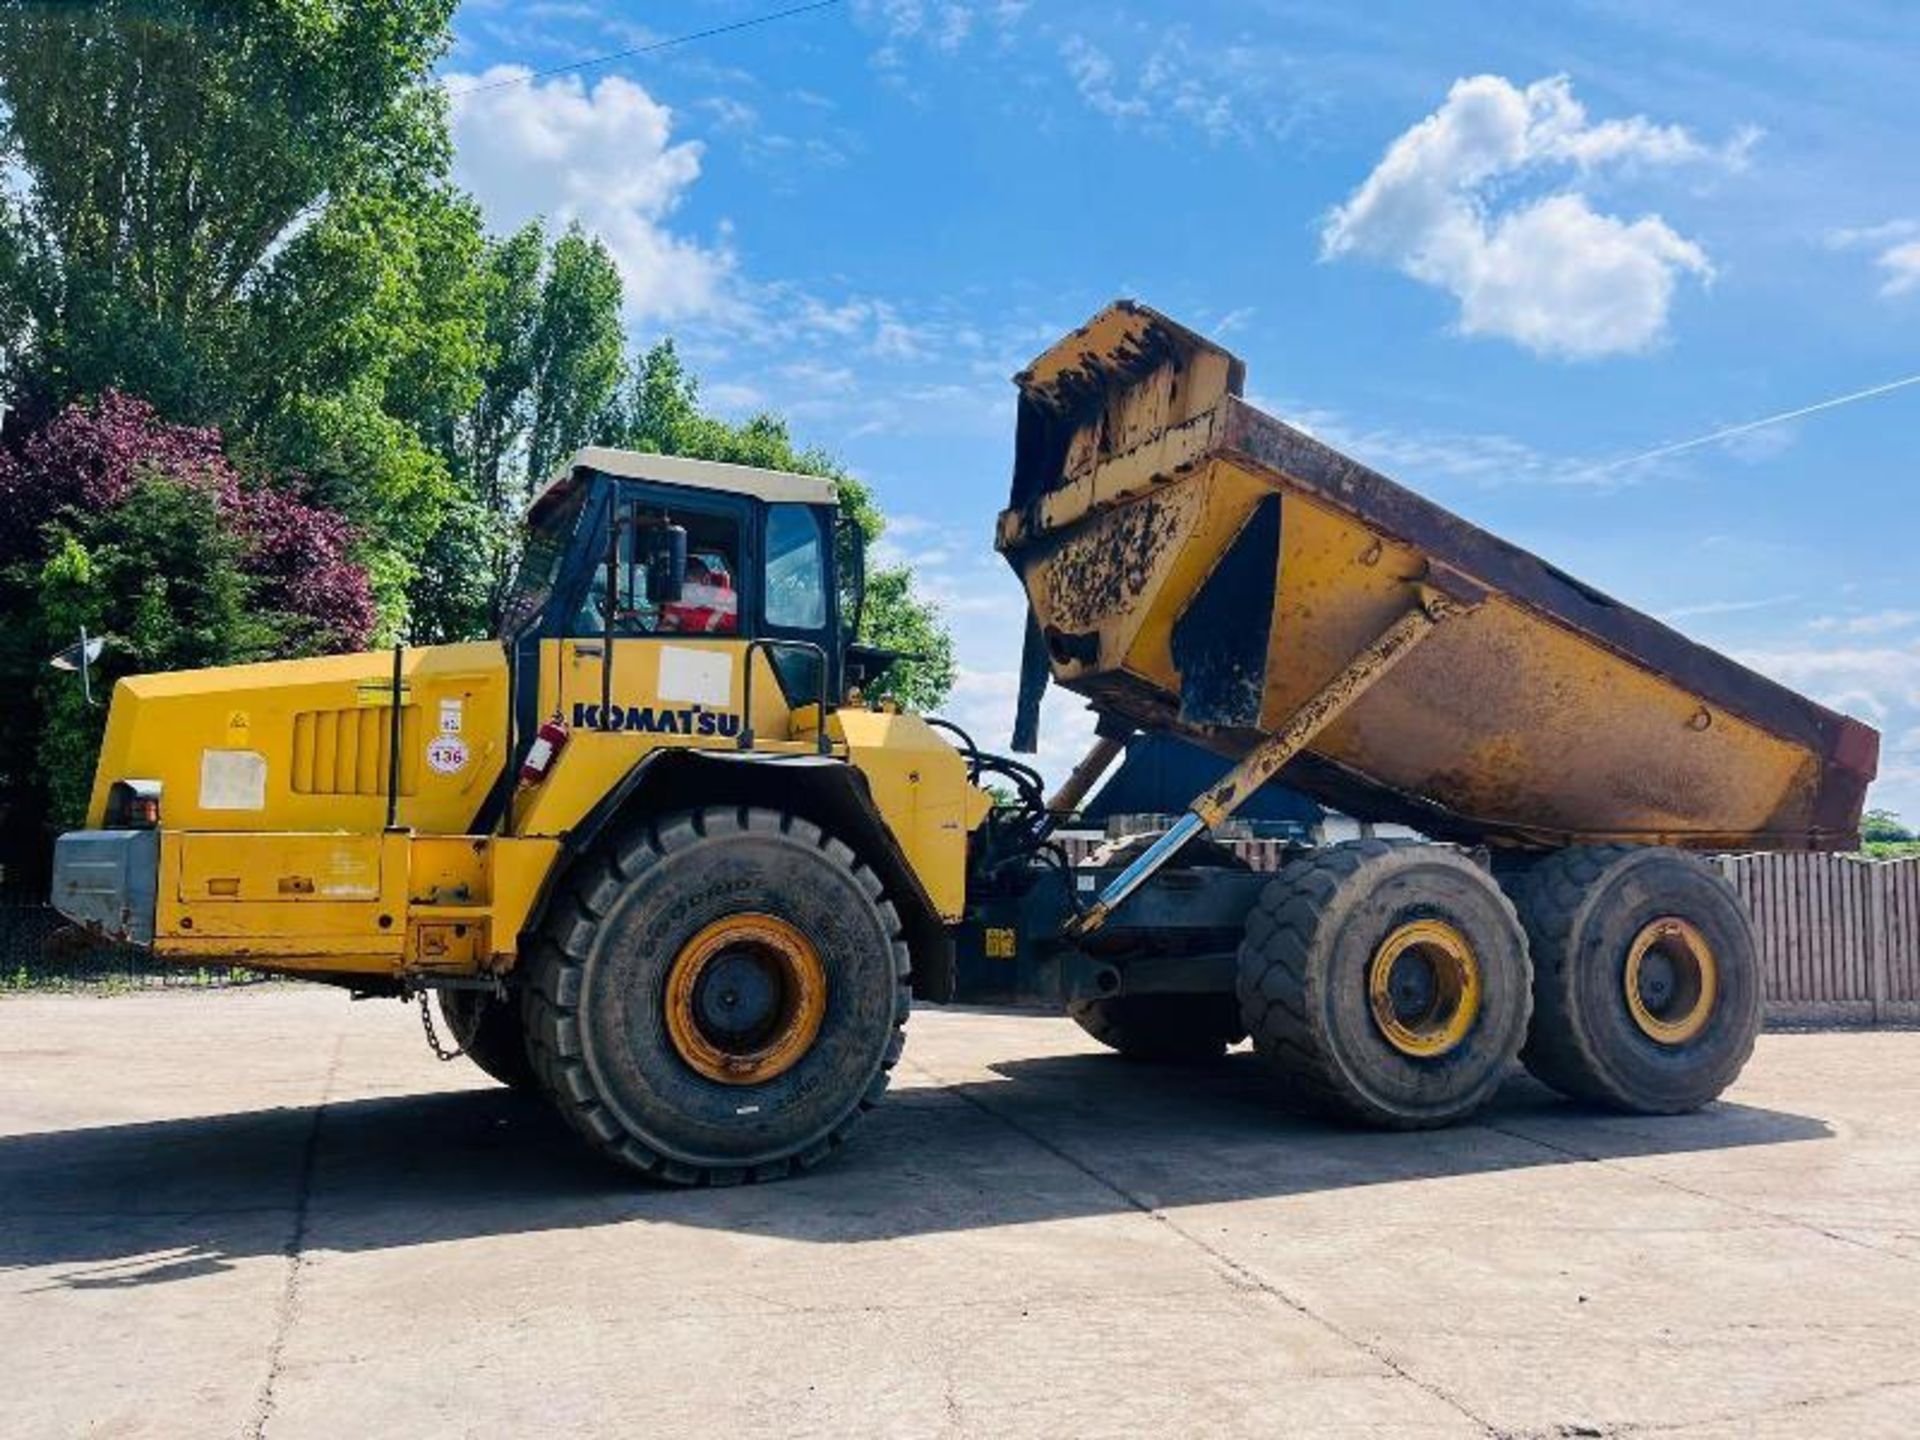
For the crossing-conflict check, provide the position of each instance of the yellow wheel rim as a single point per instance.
(1423, 984)
(1671, 981)
(745, 998)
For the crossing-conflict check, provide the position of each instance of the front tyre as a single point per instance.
(718, 997)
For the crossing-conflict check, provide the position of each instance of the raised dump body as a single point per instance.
(1197, 566)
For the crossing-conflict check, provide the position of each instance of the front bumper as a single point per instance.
(108, 881)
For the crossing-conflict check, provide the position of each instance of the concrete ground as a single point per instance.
(273, 1212)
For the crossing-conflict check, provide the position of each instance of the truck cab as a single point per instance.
(669, 615)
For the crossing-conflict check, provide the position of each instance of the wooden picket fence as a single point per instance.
(1839, 934)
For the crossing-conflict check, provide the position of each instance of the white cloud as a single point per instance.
(730, 114)
(602, 155)
(733, 398)
(819, 377)
(1706, 608)
(1095, 78)
(1878, 681)
(1898, 242)
(1849, 238)
(875, 326)
(1550, 272)
(1902, 264)
(856, 366)
(1148, 75)
(1489, 460)
(1879, 684)
(940, 24)
(1222, 91)
(1485, 460)
(1876, 622)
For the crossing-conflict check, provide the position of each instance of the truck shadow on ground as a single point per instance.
(1043, 1139)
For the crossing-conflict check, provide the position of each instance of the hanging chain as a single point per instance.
(440, 1051)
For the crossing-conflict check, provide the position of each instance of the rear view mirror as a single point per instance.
(664, 545)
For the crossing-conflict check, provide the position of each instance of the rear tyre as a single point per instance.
(1647, 990)
(1387, 983)
(718, 997)
(487, 1028)
(1179, 1028)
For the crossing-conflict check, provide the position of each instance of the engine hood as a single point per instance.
(306, 745)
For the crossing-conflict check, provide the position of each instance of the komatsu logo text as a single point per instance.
(651, 720)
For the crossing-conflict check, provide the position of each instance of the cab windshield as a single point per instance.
(540, 562)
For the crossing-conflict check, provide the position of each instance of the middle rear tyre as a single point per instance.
(1188, 1028)
(1388, 983)
(1182, 1029)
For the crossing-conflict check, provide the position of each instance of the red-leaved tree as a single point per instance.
(87, 461)
(145, 532)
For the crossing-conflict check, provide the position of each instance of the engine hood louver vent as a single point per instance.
(345, 752)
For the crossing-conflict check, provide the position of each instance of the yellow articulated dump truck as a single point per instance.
(661, 855)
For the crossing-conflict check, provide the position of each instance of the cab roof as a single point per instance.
(773, 485)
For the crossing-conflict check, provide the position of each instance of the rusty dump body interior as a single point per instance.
(1196, 566)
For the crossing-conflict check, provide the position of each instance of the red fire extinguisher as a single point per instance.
(548, 741)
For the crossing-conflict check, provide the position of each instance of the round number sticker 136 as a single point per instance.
(446, 754)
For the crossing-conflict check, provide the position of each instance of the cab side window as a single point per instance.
(709, 602)
(796, 590)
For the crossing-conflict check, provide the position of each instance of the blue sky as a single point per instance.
(1490, 249)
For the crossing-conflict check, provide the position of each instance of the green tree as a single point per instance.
(239, 211)
(1883, 827)
(143, 532)
(170, 147)
(578, 350)
(161, 573)
(550, 366)
(355, 365)
(661, 413)
(501, 414)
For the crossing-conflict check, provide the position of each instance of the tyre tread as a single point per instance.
(551, 997)
(1552, 896)
(1275, 981)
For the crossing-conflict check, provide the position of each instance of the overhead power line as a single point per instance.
(1730, 431)
(647, 49)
